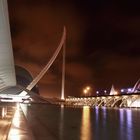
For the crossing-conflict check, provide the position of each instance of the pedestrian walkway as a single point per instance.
(19, 128)
(6, 115)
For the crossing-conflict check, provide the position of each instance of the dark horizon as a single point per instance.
(102, 46)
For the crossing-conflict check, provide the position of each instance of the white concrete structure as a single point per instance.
(112, 91)
(7, 70)
(48, 65)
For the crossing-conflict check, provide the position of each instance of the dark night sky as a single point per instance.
(103, 42)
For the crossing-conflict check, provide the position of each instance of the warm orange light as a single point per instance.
(116, 93)
(87, 90)
(85, 126)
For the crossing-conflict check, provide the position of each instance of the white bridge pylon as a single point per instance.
(48, 65)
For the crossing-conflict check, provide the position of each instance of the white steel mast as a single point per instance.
(63, 71)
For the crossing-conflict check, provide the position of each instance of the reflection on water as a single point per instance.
(129, 124)
(126, 125)
(14, 133)
(85, 126)
(104, 110)
(83, 123)
(16, 119)
(61, 127)
(121, 117)
(6, 115)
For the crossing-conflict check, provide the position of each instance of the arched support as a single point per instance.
(93, 101)
(108, 102)
(96, 102)
(133, 100)
(102, 101)
(124, 100)
(118, 99)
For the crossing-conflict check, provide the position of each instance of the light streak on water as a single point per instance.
(129, 124)
(86, 124)
(59, 122)
(61, 127)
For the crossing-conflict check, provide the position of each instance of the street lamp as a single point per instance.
(87, 90)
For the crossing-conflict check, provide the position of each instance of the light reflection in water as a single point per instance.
(121, 115)
(97, 114)
(14, 132)
(16, 119)
(126, 124)
(104, 110)
(129, 124)
(85, 127)
(25, 108)
(61, 124)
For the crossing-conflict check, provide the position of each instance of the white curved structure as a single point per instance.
(136, 87)
(7, 70)
(48, 65)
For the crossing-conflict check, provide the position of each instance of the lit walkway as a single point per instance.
(19, 129)
(6, 115)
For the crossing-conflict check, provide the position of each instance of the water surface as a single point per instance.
(66, 123)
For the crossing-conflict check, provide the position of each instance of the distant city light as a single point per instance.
(129, 89)
(126, 90)
(85, 90)
(122, 90)
(97, 92)
(105, 91)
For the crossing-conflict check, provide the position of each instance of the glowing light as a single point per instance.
(23, 93)
(14, 133)
(4, 112)
(122, 90)
(129, 90)
(85, 126)
(87, 90)
(105, 91)
(16, 119)
(115, 93)
(17, 99)
(97, 92)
